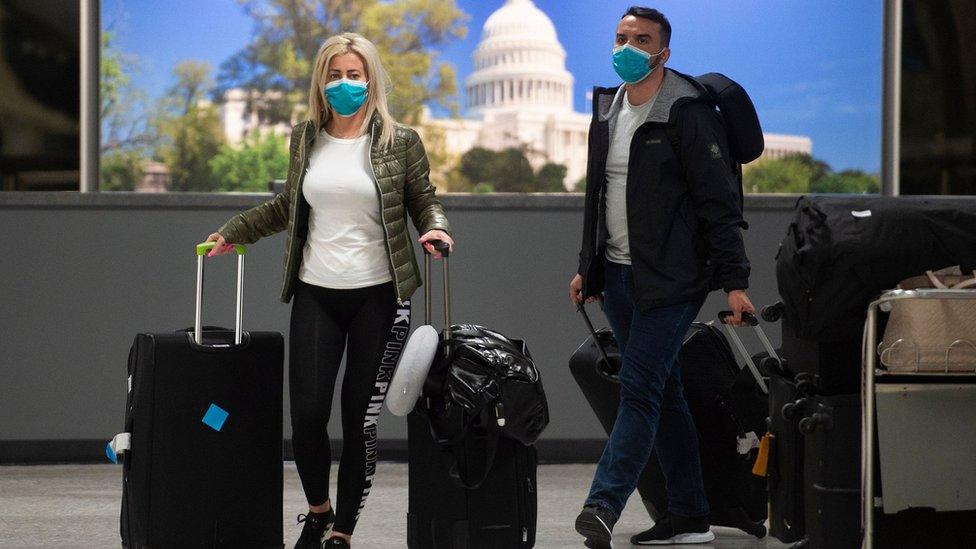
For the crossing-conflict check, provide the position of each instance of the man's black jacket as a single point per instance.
(683, 204)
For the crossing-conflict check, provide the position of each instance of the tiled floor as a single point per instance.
(78, 506)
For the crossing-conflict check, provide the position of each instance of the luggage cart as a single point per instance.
(875, 376)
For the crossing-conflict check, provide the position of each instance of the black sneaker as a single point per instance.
(317, 526)
(674, 530)
(336, 543)
(595, 523)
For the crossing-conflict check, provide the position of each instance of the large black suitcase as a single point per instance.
(725, 402)
(832, 468)
(785, 461)
(204, 466)
(499, 514)
(500, 510)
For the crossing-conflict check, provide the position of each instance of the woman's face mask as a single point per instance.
(346, 96)
(633, 64)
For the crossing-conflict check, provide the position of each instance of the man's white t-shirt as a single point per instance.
(629, 117)
(346, 245)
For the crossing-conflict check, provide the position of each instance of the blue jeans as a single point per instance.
(653, 413)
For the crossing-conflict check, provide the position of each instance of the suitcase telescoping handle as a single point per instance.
(445, 249)
(202, 250)
(751, 320)
(589, 325)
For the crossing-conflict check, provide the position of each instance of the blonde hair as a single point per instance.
(379, 84)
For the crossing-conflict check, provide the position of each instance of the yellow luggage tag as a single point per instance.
(762, 458)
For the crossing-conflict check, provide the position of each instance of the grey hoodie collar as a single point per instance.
(672, 89)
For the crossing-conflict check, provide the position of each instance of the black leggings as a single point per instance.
(321, 321)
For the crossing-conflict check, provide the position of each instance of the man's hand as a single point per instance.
(738, 304)
(576, 291)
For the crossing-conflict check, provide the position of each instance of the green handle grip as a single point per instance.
(204, 247)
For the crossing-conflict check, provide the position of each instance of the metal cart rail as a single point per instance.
(870, 376)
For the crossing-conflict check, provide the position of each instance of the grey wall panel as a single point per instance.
(83, 274)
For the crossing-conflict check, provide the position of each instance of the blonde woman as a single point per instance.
(354, 176)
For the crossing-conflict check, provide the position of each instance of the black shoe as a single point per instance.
(595, 523)
(673, 530)
(317, 526)
(336, 543)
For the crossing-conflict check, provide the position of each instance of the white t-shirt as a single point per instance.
(629, 118)
(346, 245)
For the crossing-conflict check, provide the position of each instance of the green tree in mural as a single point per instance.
(478, 165)
(512, 172)
(126, 138)
(120, 170)
(791, 174)
(288, 33)
(551, 178)
(847, 181)
(580, 185)
(262, 156)
(801, 173)
(189, 128)
(509, 170)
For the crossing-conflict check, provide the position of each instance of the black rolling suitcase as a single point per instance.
(202, 447)
(785, 471)
(729, 408)
(499, 514)
(498, 508)
(832, 467)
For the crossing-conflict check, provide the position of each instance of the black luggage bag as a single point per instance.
(204, 417)
(726, 403)
(498, 507)
(841, 252)
(785, 460)
(832, 468)
(499, 514)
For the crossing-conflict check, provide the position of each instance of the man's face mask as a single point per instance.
(632, 64)
(346, 96)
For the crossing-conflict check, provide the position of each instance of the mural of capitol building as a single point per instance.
(520, 94)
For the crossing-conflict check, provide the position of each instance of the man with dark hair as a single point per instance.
(661, 229)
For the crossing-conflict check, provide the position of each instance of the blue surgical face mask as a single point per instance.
(346, 96)
(632, 64)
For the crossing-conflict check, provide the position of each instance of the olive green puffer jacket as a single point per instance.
(403, 185)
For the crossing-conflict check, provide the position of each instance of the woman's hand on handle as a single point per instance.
(222, 247)
(436, 234)
(576, 291)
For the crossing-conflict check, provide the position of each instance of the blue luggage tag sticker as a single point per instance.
(110, 453)
(215, 417)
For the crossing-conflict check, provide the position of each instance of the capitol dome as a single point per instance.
(519, 63)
